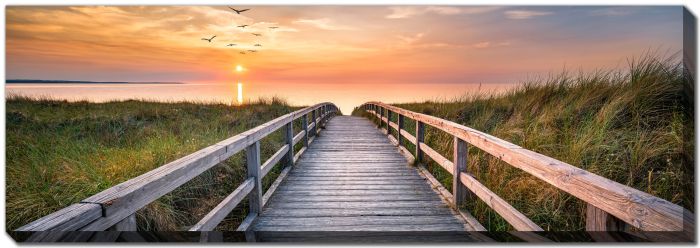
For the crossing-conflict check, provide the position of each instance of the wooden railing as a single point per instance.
(115, 208)
(610, 205)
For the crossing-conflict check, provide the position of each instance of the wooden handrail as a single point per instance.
(109, 207)
(634, 207)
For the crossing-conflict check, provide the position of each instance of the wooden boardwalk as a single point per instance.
(353, 179)
(352, 182)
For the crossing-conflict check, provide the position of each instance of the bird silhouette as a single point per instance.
(231, 44)
(209, 40)
(242, 52)
(238, 11)
(273, 27)
(252, 51)
(258, 45)
(242, 26)
(256, 34)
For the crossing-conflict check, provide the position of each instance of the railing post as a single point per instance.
(313, 118)
(289, 133)
(388, 120)
(252, 156)
(398, 131)
(599, 220)
(381, 117)
(420, 137)
(305, 125)
(127, 224)
(459, 191)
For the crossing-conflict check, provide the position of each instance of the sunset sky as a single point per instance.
(333, 46)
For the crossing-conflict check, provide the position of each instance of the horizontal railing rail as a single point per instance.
(115, 208)
(608, 202)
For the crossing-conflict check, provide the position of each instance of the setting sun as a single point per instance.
(239, 68)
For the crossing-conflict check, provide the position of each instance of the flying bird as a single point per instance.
(274, 27)
(242, 26)
(209, 38)
(258, 45)
(252, 51)
(242, 52)
(256, 34)
(231, 44)
(238, 11)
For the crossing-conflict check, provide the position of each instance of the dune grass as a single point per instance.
(60, 152)
(633, 126)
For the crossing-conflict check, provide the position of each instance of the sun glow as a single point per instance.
(239, 98)
(239, 68)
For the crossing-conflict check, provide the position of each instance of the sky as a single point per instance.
(331, 46)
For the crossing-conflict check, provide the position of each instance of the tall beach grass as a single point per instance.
(59, 152)
(634, 126)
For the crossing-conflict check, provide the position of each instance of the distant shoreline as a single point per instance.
(36, 81)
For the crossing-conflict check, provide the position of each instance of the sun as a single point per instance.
(239, 68)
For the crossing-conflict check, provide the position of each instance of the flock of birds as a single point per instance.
(241, 26)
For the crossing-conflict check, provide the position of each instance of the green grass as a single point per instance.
(60, 152)
(633, 126)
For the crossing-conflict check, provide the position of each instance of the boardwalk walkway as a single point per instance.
(353, 179)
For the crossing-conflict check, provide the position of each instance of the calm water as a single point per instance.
(346, 96)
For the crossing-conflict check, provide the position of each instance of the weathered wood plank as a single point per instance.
(70, 218)
(439, 159)
(127, 224)
(599, 220)
(459, 191)
(352, 171)
(367, 228)
(247, 222)
(354, 220)
(216, 215)
(349, 212)
(272, 161)
(514, 217)
(253, 170)
(275, 185)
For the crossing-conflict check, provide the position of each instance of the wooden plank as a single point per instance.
(299, 136)
(372, 192)
(247, 222)
(514, 217)
(398, 130)
(359, 205)
(70, 218)
(356, 198)
(350, 212)
(459, 191)
(363, 182)
(354, 220)
(420, 138)
(439, 159)
(633, 206)
(314, 122)
(216, 215)
(599, 220)
(127, 224)
(472, 223)
(253, 170)
(346, 173)
(289, 134)
(275, 185)
(350, 187)
(305, 125)
(368, 228)
(272, 161)
(342, 179)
